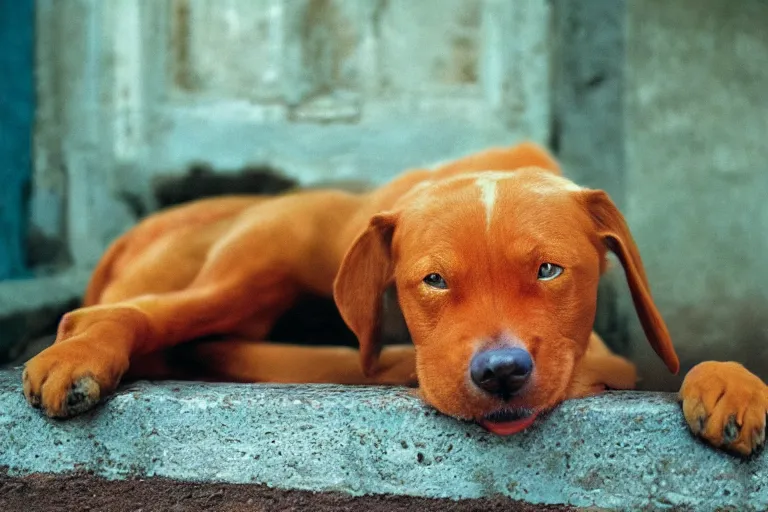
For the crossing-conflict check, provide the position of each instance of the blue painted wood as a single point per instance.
(16, 116)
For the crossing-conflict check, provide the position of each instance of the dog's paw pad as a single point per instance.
(727, 406)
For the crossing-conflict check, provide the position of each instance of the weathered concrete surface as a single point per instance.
(132, 91)
(31, 308)
(697, 174)
(620, 451)
(588, 120)
(588, 89)
(663, 105)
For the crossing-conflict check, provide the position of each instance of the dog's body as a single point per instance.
(494, 258)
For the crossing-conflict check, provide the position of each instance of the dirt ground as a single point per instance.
(84, 492)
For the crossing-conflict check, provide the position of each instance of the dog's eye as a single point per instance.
(549, 271)
(436, 281)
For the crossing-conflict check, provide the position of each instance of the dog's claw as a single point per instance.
(32, 397)
(758, 439)
(731, 430)
(701, 424)
(727, 406)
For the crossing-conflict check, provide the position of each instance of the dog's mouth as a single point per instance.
(506, 422)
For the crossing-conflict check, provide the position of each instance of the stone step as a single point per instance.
(623, 451)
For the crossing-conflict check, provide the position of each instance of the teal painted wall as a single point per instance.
(17, 102)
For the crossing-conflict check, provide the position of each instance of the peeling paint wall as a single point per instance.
(321, 89)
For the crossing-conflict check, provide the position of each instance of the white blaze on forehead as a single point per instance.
(553, 181)
(487, 182)
(487, 186)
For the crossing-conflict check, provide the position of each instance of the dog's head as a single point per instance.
(496, 275)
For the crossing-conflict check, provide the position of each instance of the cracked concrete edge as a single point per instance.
(617, 451)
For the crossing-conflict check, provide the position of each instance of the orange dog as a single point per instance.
(493, 259)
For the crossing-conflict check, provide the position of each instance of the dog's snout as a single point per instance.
(501, 372)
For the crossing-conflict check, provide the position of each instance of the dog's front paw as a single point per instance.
(596, 374)
(71, 377)
(397, 366)
(726, 405)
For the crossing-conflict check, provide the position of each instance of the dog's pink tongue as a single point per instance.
(507, 428)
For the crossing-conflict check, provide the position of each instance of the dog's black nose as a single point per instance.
(501, 372)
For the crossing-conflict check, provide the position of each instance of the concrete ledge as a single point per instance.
(619, 451)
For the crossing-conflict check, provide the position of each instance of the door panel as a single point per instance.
(322, 89)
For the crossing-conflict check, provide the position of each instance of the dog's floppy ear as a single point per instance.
(366, 271)
(613, 230)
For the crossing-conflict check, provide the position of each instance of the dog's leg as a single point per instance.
(251, 361)
(239, 360)
(726, 405)
(599, 370)
(95, 344)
